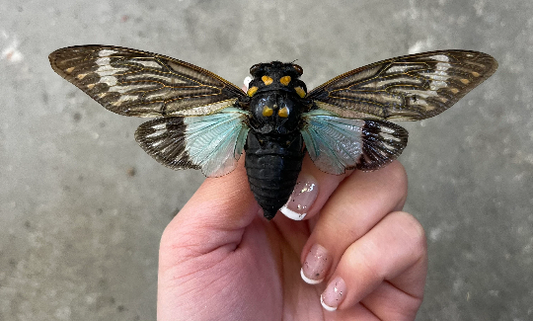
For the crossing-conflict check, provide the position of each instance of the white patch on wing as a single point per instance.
(108, 80)
(103, 61)
(437, 84)
(387, 130)
(398, 68)
(162, 126)
(387, 134)
(159, 130)
(443, 66)
(420, 102)
(147, 63)
(105, 70)
(157, 143)
(106, 52)
(440, 57)
(440, 77)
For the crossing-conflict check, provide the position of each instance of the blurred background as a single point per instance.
(82, 207)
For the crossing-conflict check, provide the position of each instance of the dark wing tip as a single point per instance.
(383, 142)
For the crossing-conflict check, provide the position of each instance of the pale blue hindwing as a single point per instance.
(212, 143)
(215, 142)
(334, 143)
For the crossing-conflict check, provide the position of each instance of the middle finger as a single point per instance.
(358, 204)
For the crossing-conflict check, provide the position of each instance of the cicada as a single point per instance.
(201, 121)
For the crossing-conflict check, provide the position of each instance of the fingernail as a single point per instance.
(303, 196)
(315, 265)
(332, 297)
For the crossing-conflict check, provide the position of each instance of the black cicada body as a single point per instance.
(275, 146)
(204, 122)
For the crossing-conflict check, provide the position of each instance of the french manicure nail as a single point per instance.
(332, 297)
(303, 196)
(316, 265)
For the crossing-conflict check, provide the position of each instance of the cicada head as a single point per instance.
(277, 75)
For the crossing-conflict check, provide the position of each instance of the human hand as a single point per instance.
(221, 260)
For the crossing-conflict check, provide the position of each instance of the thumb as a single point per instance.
(214, 217)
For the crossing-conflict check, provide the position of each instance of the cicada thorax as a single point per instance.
(274, 148)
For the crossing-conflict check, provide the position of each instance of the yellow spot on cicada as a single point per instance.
(475, 74)
(267, 111)
(91, 86)
(285, 80)
(300, 91)
(465, 81)
(81, 76)
(454, 90)
(267, 80)
(69, 70)
(252, 91)
(283, 112)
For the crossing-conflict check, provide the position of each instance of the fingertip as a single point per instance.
(308, 280)
(313, 188)
(302, 197)
(293, 215)
(325, 306)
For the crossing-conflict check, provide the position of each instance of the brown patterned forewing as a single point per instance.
(411, 87)
(131, 82)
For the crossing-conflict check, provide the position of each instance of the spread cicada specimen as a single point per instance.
(202, 121)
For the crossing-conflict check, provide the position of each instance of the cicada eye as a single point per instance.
(298, 69)
(254, 69)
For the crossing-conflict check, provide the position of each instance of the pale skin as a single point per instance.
(220, 260)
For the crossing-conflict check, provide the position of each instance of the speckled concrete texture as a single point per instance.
(82, 207)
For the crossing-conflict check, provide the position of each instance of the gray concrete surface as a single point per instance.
(82, 207)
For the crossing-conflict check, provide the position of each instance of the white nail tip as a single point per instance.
(292, 214)
(308, 280)
(325, 306)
